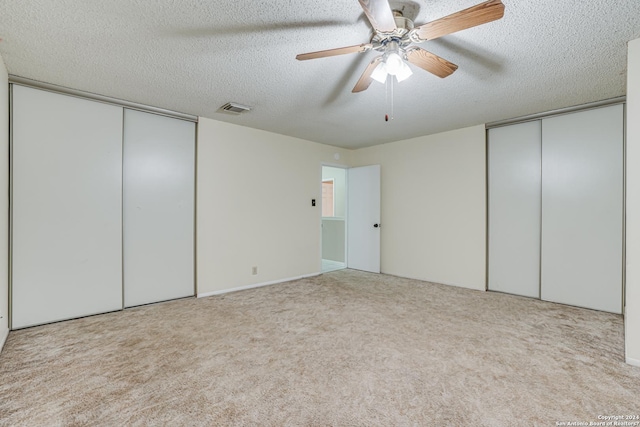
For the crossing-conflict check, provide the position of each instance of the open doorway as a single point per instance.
(333, 203)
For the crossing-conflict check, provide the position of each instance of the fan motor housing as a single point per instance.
(401, 21)
(400, 34)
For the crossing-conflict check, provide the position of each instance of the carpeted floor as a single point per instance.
(345, 348)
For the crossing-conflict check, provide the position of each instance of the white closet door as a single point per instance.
(514, 209)
(67, 207)
(582, 183)
(159, 185)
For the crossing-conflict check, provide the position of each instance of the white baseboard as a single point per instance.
(3, 338)
(255, 285)
(633, 362)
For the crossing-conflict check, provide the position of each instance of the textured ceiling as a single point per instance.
(193, 56)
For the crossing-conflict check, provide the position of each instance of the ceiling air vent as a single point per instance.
(234, 108)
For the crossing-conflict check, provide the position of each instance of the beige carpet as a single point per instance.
(345, 348)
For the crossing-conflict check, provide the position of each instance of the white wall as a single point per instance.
(254, 191)
(4, 203)
(632, 315)
(433, 211)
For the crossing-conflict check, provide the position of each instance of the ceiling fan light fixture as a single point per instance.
(379, 74)
(394, 34)
(394, 63)
(404, 72)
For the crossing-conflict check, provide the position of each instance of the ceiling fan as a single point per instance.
(394, 35)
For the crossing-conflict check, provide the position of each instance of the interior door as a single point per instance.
(159, 155)
(582, 199)
(67, 207)
(363, 218)
(514, 209)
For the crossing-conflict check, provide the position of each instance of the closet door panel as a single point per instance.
(67, 207)
(159, 185)
(514, 209)
(582, 190)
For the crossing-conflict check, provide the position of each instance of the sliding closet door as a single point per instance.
(582, 184)
(66, 210)
(514, 209)
(159, 185)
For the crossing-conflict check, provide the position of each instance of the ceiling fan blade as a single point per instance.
(475, 15)
(430, 62)
(365, 79)
(379, 14)
(333, 52)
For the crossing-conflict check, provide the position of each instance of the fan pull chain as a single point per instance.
(386, 99)
(392, 79)
(389, 97)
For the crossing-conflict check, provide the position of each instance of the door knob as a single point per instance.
(376, 225)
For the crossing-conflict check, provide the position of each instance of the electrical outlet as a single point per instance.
(254, 271)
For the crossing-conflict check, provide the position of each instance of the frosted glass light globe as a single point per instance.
(380, 73)
(394, 63)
